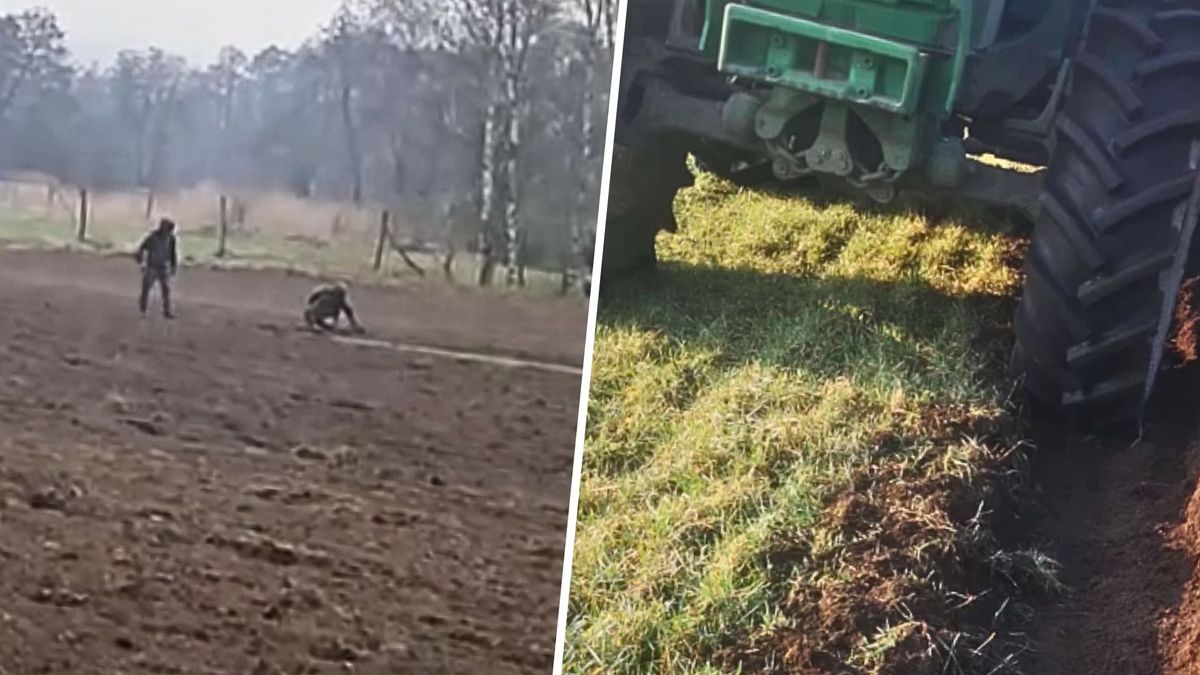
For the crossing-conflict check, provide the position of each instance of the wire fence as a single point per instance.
(269, 229)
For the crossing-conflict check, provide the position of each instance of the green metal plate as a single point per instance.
(923, 22)
(821, 59)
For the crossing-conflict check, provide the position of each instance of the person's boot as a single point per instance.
(166, 301)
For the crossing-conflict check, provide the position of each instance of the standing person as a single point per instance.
(159, 258)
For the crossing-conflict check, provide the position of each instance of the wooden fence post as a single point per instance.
(567, 279)
(223, 227)
(81, 233)
(383, 236)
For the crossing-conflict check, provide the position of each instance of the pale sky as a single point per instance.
(194, 29)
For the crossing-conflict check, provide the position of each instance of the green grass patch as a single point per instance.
(789, 353)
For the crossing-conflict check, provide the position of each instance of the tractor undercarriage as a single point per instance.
(1101, 97)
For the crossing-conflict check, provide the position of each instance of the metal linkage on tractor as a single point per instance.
(878, 94)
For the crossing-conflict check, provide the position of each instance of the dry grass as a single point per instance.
(796, 436)
(278, 230)
(197, 209)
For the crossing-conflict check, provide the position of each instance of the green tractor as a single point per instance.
(882, 96)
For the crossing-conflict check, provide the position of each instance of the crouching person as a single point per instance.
(326, 305)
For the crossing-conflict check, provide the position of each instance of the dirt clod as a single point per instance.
(347, 404)
(145, 426)
(59, 597)
(48, 499)
(1185, 341)
(310, 454)
(337, 651)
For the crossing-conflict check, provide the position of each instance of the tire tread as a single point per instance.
(1107, 254)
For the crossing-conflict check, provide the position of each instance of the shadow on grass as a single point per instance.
(830, 383)
(823, 324)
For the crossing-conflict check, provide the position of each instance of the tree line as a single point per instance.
(481, 121)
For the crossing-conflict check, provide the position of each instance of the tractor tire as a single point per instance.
(1117, 215)
(643, 183)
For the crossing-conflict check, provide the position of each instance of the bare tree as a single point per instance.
(477, 120)
(503, 32)
(599, 28)
(228, 75)
(146, 88)
(341, 45)
(32, 50)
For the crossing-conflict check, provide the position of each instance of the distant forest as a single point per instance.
(488, 112)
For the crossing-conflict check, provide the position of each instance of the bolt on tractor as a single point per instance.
(883, 96)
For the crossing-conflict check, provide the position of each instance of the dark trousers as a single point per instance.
(150, 277)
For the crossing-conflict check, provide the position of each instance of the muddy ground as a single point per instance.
(1123, 518)
(225, 494)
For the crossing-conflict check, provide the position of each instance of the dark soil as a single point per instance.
(222, 494)
(431, 313)
(1124, 521)
(1185, 341)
